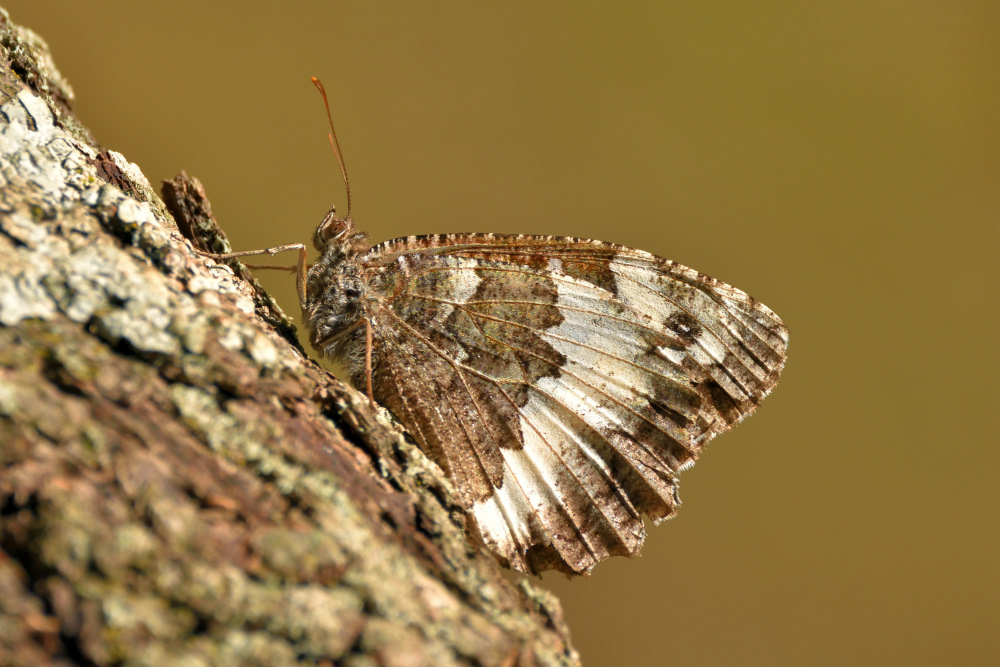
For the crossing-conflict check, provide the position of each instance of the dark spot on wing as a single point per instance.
(661, 408)
(685, 327)
(725, 404)
(595, 272)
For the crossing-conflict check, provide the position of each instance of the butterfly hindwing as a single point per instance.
(562, 383)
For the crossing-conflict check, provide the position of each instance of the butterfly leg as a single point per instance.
(300, 268)
(368, 361)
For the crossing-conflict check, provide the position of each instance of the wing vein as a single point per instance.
(551, 491)
(626, 407)
(499, 385)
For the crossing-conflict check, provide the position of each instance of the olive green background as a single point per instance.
(839, 161)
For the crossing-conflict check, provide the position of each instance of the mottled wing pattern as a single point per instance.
(563, 383)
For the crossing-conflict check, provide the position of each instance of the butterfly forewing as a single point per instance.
(562, 383)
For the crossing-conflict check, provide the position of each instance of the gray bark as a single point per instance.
(179, 483)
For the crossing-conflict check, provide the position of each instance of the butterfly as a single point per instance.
(561, 383)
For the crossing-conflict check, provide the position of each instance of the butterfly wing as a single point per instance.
(563, 383)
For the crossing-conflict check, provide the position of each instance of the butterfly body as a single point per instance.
(561, 383)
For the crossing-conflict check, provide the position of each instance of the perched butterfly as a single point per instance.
(561, 383)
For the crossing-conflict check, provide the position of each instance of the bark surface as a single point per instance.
(179, 483)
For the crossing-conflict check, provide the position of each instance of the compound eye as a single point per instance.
(331, 228)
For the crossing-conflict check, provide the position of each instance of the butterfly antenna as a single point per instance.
(334, 144)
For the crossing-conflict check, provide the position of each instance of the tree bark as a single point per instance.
(179, 483)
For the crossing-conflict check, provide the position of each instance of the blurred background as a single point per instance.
(839, 161)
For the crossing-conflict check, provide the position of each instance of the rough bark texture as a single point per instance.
(179, 483)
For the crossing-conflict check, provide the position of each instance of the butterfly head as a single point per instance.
(335, 288)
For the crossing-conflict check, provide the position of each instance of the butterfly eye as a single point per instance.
(330, 229)
(352, 293)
